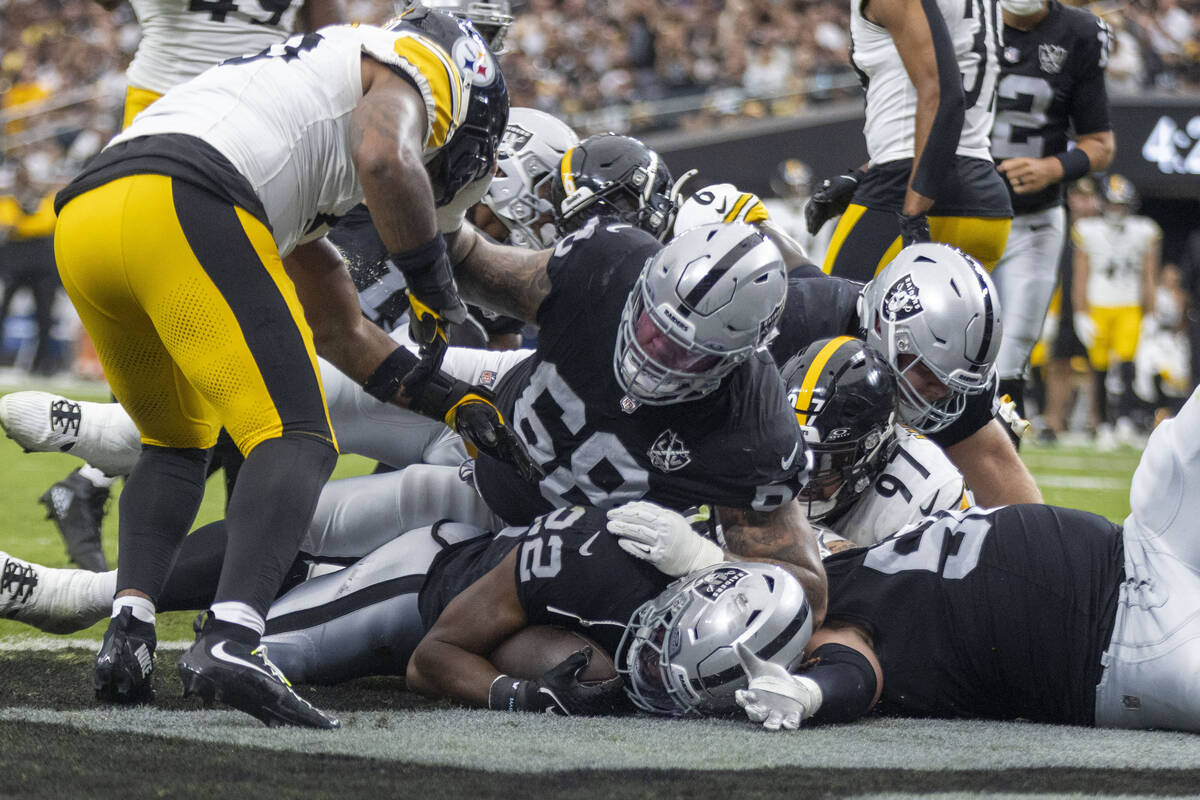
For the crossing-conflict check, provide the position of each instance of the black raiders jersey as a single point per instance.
(570, 572)
(1051, 82)
(827, 306)
(998, 613)
(738, 446)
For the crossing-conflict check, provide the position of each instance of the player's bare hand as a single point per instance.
(1029, 175)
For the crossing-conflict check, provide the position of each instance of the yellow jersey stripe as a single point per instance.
(564, 169)
(444, 80)
(804, 399)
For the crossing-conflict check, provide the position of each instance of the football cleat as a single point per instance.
(51, 600)
(100, 433)
(40, 421)
(124, 670)
(77, 507)
(217, 668)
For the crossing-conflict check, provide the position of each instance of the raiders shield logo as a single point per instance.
(1051, 58)
(902, 301)
(515, 138)
(669, 453)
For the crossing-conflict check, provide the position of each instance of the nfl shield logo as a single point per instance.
(1051, 58)
(669, 453)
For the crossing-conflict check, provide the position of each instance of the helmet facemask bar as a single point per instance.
(851, 465)
(646, 378)
(528, 181)
(644, 659)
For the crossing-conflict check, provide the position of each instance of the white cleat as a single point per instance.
(54, 600)
(100, 433)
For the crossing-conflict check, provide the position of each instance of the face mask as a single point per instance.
(1022, 8)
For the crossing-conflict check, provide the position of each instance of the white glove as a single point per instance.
(775, 697)
(1085, 328)
(450, 216)
(721, 202)
(663, 537)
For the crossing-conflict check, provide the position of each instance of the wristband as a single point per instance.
(420, 257)
(1075, 164)
(389, 375)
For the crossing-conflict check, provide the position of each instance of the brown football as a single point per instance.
(530, 652)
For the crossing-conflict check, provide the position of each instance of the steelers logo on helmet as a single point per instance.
(472, 56)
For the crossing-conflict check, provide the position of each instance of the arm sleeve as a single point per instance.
(1089, 109)
(951, 111)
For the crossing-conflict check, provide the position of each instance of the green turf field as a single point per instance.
(55, 742)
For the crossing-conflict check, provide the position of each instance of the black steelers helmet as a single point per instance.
(609, 174)
(471, 152)
(844, 396)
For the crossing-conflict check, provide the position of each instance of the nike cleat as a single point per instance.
(77, 507)
(124, 670)
(217, 668)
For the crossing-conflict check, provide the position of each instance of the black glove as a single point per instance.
(471, 411)
(558, 691)
(432, 293)
(913, 229)
(830, 199)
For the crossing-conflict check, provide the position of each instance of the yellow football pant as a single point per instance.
(194, 319)
(865, 240)
(1117, 331)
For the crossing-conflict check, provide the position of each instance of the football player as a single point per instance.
(1029, 611)
(1117, 257)
(236, 349)
(870, 476)
(1051, 82)
(470, 589)
(933, 314)
(613, 175)
(929, 70)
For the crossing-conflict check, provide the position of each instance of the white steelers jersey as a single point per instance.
(918, 481)
(282, 117)
(1116, 252)
(891, 97)
(182, 38)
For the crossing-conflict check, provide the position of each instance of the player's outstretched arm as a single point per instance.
(784, 537)
(451, 661)
(505, 279)
(924, 44)
(994, 472)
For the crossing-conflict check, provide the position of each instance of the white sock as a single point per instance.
(239, 614)
(96, 476)
(143, 609)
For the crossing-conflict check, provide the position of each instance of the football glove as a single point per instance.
(663, 537)
(558, 691)
(775, 697)
(1085, 328)
(471, 411)
(432, 292)
(831, 199)
(913, 229)
(721, 202)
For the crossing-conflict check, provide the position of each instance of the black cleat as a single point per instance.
(218, 668)
(77, 507)
(124, 670)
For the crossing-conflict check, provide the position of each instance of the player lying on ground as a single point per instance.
(1028, 611)
(564, 570)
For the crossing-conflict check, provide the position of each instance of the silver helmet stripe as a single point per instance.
(718, 270)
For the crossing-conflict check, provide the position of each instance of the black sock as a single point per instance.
(268, 515)
(1099, 379)
(1127, 401)
(158, 504)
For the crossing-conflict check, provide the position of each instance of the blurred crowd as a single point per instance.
(629, 66)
